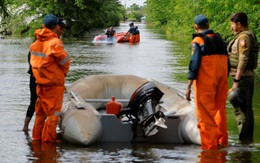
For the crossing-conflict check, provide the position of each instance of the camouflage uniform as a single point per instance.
(240, 51)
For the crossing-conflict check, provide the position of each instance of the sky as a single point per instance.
(130, 2)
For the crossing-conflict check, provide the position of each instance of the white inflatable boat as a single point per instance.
(151, 112)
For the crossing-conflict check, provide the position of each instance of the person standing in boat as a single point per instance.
(208, 74)
(110, 33)
(50, 65)
(243, 53)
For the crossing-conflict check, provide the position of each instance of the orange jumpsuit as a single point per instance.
(134, 38)
(50, 65)
(209, 70)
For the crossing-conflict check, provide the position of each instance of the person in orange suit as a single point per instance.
(208, 73)
(133, 33)
(50, 65)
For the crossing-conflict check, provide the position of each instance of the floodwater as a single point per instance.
(155, 57)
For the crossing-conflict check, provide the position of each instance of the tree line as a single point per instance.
(23, 16)
(177, 17)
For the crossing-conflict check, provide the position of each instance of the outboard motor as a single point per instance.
(141, 108)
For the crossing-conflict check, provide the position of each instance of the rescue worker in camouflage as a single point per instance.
(243, 53)
(208, 73)
(50, 65)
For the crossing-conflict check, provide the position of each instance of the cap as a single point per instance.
(50, 21)
(63, 23)
(201, 20)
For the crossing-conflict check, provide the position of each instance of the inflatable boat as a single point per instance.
(104, 39)
(145, 110)
(119, 38)
(100, 38)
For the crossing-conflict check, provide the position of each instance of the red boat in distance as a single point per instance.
(119, 37)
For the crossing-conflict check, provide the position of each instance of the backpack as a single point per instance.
(134, 31)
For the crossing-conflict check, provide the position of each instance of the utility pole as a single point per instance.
(125, 11)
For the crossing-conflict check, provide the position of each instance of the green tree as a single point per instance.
(80, 15)
(135, 12)
(177, 16)
(3, 9)
(4, 16)
(158, 11)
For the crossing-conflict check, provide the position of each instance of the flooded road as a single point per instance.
(154, 57)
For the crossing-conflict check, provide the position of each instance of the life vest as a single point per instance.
(134, 30)
(253, 53)
(212, 45)
(110, 33)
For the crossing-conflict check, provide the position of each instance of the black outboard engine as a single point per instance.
(141, 108)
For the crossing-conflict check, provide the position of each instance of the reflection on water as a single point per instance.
(154, 57)
(45, 152)
(219, 156)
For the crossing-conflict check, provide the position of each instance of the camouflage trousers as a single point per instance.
(244, 114)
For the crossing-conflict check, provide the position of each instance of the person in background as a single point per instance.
(50, 65)
(33, 97)
(110, 33)
(243, 54)
(32, 84)
(133, 33)
(208, 73)
(132, 30)
(137, 30)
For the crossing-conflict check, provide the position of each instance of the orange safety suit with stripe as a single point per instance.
(50, 65)
(208, 69)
